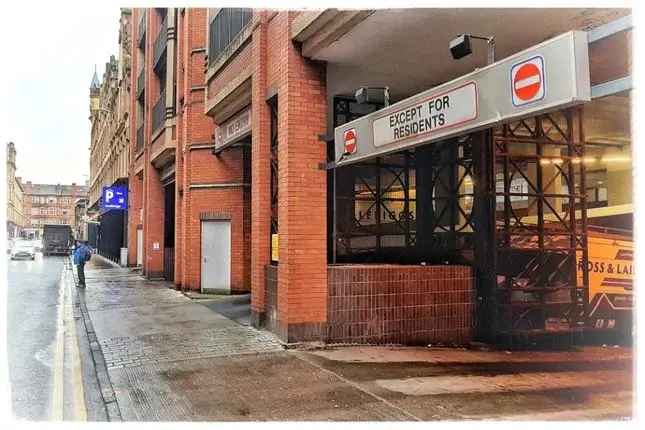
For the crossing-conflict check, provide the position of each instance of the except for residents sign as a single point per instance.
(233, 130)
(443, 110)
(548, 76)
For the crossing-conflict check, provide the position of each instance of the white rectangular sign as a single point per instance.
(548, 76)
(233, 130)
(438, 112)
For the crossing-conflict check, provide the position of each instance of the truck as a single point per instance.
(611, 279)
(57, 239)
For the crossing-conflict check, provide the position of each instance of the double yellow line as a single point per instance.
(67, 348)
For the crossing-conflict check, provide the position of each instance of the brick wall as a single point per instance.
(135, 194)
(260, 179)
(271, 298)
(302, 196)
(197, 165)
(230, 71)
(135, 184)
(153, 224)
(279, 69)
(412, 305)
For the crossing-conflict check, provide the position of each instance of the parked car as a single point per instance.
(23, 250)
(37, 244)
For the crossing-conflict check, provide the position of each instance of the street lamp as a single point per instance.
(460, 46)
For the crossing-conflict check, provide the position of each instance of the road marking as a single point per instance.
(59, 356)
(66, 338)
(80, 412)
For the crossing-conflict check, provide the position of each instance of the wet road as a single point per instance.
(32, 309)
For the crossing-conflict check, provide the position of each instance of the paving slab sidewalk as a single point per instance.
(173, 358)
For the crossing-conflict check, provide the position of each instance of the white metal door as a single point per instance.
(216, 256)
(139, 247)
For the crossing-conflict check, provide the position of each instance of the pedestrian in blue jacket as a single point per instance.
(82, 255)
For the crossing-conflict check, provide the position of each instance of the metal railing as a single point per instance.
(141, 82)
(160, 42)
(139, 142)
(223, 29)
(142, 31)
(159, 112)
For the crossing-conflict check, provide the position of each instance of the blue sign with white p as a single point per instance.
(114, 198)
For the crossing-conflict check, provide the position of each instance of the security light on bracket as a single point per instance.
(460, 46)
(373, 95)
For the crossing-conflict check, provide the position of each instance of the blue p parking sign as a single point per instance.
(114, 198)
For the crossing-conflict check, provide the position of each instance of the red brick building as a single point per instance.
(233, 184)
(50, 204)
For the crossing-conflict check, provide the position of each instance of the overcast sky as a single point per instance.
(49, 59)
(47, 63)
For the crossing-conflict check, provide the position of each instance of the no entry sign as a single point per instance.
(527, 81)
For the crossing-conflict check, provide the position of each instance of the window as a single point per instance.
(273, 104)
(223, 28)
(376, 208)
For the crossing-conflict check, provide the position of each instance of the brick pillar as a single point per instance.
(135, 198)
(261, 177)
(302, 195)
(153, 223)
(135, 190)
(180, 61)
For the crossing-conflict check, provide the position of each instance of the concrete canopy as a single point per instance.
(407, 49)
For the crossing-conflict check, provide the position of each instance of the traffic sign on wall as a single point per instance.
(114, 198)
(527, 79)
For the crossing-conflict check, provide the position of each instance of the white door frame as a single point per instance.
(139, 247)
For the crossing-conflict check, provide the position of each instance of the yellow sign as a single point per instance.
(275, 246)
(611, 278)
(610, 264)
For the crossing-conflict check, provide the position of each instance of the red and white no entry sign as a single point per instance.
(350, 141)
(527, 81)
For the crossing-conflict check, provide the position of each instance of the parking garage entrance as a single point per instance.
(504, 201)
(494, 185)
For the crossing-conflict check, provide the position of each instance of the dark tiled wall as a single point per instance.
(413, 305)
(271, 297)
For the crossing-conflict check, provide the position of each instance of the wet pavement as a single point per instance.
(173, 358)
(50, 374)
(32, 307)
(448, 383)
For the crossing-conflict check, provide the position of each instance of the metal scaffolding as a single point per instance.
(540, 228)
